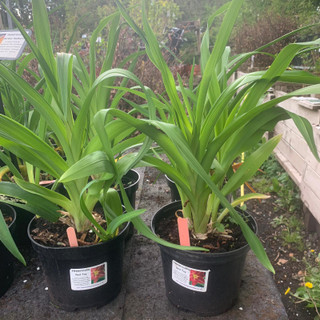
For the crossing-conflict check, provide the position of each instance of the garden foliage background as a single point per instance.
(268, 19)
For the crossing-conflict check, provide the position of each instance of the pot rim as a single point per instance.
(74, 248)
(169, 179)
(200, 253)
(136, 182)
(13, 211)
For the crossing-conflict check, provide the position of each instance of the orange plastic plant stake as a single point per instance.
(71, 233)
(183, 232)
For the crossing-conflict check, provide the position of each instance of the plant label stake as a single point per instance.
(71, 233)
(183, 231)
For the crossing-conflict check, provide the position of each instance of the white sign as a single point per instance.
(12, 44)
(193, 279)
(88, 278)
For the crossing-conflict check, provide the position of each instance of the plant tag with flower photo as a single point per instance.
(88, 278)
(193, 279)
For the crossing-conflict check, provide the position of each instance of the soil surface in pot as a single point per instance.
(55, 234)
(7, 218)
(216, 242)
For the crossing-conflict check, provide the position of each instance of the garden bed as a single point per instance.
(287, 259)
(282, 232)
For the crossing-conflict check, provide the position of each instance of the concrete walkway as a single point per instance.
(143, 294)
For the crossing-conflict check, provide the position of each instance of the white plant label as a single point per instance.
(88, 278)
(12, 44)
(193, 279)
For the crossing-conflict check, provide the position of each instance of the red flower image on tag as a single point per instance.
(2, 38)
(98, 274)
(197, 278)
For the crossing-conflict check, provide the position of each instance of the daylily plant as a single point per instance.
(203, 129)
(69, 98)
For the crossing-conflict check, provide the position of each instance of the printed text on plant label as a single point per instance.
(88, 278)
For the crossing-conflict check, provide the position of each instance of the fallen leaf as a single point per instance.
(281, 262)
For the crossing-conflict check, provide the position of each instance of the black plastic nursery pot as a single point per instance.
(173, 189)
(82, 277)
(131, 182)
(20, 234)
(6, 259)
(205, 283)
